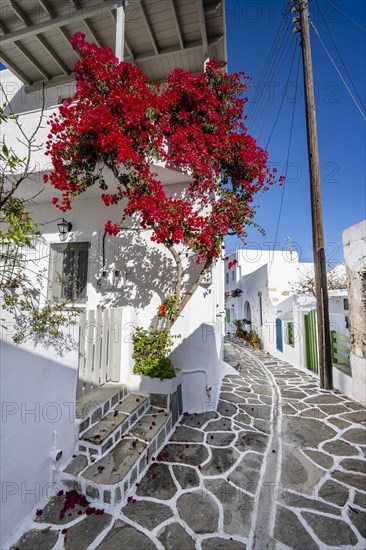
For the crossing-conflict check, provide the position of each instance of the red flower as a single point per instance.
(195, 123)
(39, 512)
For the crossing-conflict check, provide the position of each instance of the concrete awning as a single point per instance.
(156, 35)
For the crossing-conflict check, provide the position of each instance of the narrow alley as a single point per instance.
(279, 465)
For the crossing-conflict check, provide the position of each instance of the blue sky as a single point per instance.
(251, 31)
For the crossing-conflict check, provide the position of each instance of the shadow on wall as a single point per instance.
(145, 269)
(198, 357)
(38, 398)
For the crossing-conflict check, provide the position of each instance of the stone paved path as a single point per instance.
(279, 465)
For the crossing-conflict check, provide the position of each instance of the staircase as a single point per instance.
(119, 433)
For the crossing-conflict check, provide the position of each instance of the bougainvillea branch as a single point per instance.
(119, 121)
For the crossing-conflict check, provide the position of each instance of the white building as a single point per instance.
(284, 319)
(123, 275)
(265, 278)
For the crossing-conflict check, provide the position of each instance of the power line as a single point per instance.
(283, 95)
(273, 47)
(339, 54)
(282, 101)
(288, 155)
(338, 71)
(271, 77)
(347, 16)
(276, 52)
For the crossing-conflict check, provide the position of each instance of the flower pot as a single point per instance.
(256, 345)
(164, 394)
(146, 385)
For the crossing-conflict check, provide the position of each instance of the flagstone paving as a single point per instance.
(279, 465)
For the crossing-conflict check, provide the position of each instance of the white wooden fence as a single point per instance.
(99, 349)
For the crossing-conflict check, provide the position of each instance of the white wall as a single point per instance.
(354, 247)
(38, 391)
(146, 271)
(20, 102)
(274, 281)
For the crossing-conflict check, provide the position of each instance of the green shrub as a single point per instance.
(160, 367)
(253, 337)
(150, 351)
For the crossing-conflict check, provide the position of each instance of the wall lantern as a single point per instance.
(64, 227)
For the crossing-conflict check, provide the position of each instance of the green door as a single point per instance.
(311, 345)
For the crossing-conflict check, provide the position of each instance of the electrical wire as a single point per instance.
(282, 101)
(273, 48)
(276, 53)
(347, 16)
(338, 71)
(278, 73)
(287, 157)
(271, 78)
(339, 54)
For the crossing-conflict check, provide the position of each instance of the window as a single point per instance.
(69, 271)
(227, 316)
(227, 278)
(233, 275)
(345, 304)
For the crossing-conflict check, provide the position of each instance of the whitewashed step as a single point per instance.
(106, 433)
(96, 404)
(108, 479)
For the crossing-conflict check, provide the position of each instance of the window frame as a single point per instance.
(56, 265)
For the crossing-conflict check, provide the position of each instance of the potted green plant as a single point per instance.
(254, 339)
(153, 372)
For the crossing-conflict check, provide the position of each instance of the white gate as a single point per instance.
(99, 349)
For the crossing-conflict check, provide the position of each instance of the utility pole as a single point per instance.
(321, 291)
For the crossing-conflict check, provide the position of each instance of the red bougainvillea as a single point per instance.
(120, 122)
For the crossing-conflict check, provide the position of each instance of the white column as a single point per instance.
(120, 29)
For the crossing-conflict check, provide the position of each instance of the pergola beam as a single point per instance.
(92, 33)
(148, 26)
(202, 20)
(180, 38)
(15, 70)
(67, 38)
(47, 8)
(53, 54)
(78, 15)
(3, 28)
(211, 9)
(19, 13)
(131, 55)
(197, 45)
(75, 4)
(32, 60)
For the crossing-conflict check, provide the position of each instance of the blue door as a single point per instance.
(279, 340)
